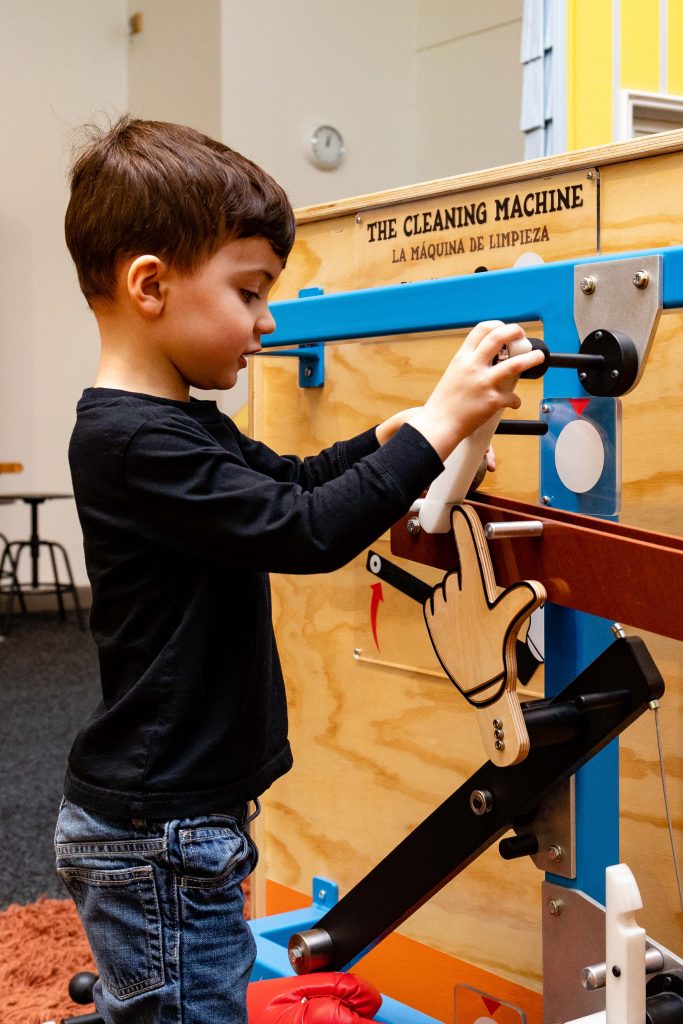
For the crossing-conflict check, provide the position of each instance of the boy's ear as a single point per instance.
(145, 284)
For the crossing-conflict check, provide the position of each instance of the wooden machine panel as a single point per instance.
(378, 743)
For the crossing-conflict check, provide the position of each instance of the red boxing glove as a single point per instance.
(326, 998)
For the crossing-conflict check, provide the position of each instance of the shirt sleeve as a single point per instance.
(256, 510)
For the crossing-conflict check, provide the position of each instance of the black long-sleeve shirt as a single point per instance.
(183, 517)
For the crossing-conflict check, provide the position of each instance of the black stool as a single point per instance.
(11, 559)
(8, 576)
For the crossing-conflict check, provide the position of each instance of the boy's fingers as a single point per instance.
(515, 365)
(480, 331)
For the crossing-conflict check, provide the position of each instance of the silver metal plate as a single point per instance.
(616, 304)
(574, 938)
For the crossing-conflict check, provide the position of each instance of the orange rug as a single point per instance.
(42, 945)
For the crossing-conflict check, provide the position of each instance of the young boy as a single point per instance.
(178, 241)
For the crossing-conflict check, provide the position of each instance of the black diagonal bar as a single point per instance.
(454, 835)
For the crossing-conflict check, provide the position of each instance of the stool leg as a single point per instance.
(15, 588)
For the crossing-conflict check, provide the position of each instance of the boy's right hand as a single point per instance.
(472, 387)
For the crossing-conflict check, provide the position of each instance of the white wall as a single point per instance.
(469, 86)
(62, 62)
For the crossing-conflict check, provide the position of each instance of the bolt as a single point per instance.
(614, 374)
(641, 279)
(308, 371)
(413, 526)
(481, 801)
(296, 955)
(497, 724)
(357, 651)
(546, 500)
(322, 893)
(499, 745)
(598, 335)
(555, 907)
(587, 285)
(589, 176)
(583, 375)
(556, 854)
(498, 734)
(545, 408)
(618, 630)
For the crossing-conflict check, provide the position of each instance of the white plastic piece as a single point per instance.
(625, 948)
(460, 468)
(625, 952)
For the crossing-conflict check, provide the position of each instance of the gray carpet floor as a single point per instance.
(48, 686)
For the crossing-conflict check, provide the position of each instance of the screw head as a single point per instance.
(641, 279)
(556, 854)
(546, 500)
(500, 745)
(555, 907)
(413, 526)
(308, 371)
(614, 374)
(587, 285)
(481, 801)
(545, 407)
(296, 954)
(583, 375)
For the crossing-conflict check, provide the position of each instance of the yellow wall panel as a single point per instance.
(589, 73)
(640, 44)
(675, 47)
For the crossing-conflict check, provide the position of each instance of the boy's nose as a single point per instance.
(266, 323)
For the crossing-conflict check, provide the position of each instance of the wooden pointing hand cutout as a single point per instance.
(474, 628)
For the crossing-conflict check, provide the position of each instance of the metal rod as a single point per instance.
(515, 528)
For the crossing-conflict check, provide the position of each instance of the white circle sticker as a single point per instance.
(579, 456)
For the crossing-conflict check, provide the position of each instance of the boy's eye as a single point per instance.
(249, 296)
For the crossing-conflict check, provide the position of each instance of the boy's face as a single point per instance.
(215, 317)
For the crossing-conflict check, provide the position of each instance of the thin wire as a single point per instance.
(655, 707)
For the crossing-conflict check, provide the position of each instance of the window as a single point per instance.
(644, 113)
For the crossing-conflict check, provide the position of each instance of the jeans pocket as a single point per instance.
(120, 913)
(211, 856)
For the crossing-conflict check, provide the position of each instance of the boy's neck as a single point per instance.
(130, 363)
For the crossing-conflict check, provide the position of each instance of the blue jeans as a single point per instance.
(163, 910)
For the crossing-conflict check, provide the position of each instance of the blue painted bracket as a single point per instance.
(311, 357)
(272, 935)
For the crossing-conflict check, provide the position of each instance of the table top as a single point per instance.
(36, 496)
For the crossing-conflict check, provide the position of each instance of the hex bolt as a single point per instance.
(413, 526)
(296, 955)
(545, 408)
(555, 907)
(556, 854)
(641, 279)
(481, 801)
(587, 285)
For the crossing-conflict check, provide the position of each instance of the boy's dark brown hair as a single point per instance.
(159, 188)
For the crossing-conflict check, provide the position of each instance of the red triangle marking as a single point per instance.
(490, 1004)
(579, 405)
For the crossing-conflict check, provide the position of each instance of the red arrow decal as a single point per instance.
(377, 596)
(491, 1005)
(579, 405)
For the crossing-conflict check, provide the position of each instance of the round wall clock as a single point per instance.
(327, 147)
